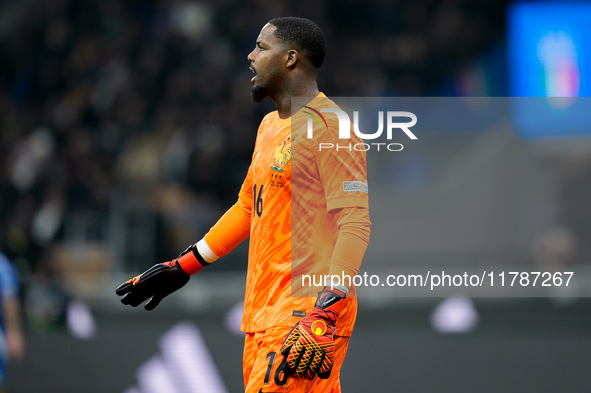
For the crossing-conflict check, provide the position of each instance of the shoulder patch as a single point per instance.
(349, 186)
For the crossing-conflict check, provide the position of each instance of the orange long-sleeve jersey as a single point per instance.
(306, 212)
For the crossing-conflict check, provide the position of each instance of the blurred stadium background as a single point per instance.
(127, 129)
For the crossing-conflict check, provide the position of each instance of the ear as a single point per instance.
(292, 58)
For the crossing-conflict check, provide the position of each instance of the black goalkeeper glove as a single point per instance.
(161, 280)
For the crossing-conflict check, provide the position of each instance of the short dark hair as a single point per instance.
(304, 34)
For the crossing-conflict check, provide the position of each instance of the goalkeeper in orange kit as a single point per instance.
(293, 343)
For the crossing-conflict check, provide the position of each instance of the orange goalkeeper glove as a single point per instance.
(309, 347)
(161, 280)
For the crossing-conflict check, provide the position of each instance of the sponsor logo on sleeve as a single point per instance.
(349, 186)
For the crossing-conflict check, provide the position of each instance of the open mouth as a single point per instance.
(254, 72)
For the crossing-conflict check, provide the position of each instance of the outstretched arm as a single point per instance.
(164, 278)
(230, 230)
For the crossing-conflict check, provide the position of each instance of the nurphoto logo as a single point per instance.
(392, 123)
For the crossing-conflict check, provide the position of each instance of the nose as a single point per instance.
(250, 56)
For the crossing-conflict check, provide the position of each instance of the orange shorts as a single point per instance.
(264, 365)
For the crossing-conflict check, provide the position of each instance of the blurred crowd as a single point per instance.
(145, 103)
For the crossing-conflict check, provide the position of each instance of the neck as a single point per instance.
(297, 88)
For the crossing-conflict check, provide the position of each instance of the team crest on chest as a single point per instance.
(282, 155)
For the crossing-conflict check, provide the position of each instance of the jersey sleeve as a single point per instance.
(8, 278)
(353, 225)
(343, 170)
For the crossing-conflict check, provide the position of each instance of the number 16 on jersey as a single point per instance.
(258, 200)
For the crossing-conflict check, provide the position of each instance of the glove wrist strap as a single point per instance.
(191, 261)
(331, 301)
